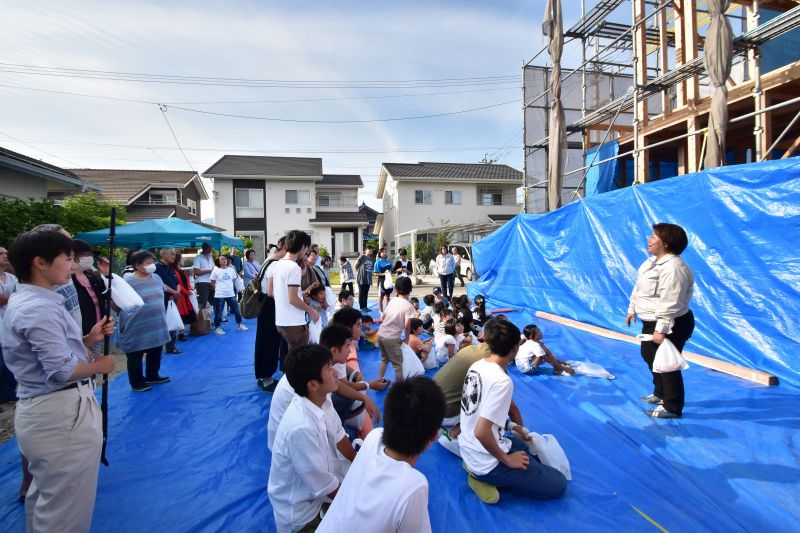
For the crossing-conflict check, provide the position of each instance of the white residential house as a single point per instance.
(264, 197)
(428, 196)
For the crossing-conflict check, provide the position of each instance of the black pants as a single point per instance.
(153, 358)
(460, 277)
(363, 295)
(348, 286)
(270, 345)
(447, 282)
(668, 386)
(205, 293)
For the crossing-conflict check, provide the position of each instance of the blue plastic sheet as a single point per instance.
(743, 224)
(601, 178)
(191, 455)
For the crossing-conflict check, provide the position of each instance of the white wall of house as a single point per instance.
(282, 216)
(223, 204)
(402, 213)
(22, 186)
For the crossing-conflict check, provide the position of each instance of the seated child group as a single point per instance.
(331, 466)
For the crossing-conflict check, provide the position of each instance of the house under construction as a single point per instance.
(637, 105)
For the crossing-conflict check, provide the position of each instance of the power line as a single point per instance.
(274, 101)
(365, 121)
(163, 110)
(37, 149)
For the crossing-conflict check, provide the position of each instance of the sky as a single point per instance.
(326, 61)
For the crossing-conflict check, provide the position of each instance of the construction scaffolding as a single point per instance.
(642, 85)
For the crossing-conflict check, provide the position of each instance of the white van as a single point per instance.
(467, 266)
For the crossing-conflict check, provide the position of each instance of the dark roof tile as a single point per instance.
(471, 171)
(353, 180)
(257, 165)
(355, 217)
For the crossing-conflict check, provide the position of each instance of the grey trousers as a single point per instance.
(61, 435)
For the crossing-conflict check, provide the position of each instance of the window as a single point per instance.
(163, 197)
(298, 197)
(249, 203)
(331, 199)
(491, 198)
(191, 205)
(422, 197)
(344, 242)
(452, 197)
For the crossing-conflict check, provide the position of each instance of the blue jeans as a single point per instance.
(537, 481)
(233, 306)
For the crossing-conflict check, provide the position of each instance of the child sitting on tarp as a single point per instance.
(426, 315)
(369, 334)
(383, 491)
(320, 304)
(345, 299)
(415, 302)
(533, 353)
(491, 458)
(445, 343)
(420, 347)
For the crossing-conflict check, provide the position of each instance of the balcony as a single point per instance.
(336, 201)
(494, 198)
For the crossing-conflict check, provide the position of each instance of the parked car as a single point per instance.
(467, 266)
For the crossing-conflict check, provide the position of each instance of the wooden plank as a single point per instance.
(756, 376)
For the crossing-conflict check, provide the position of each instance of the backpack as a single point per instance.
(251, 303)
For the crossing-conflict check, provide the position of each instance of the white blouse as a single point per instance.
(662, 291)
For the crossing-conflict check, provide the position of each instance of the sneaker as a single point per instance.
(182, 337)
(174, 351)
(141, 388)
(219, 331)
(241, 327)
(158, 380)
(224, 319)
(268, 387)
(652, 399)
(660, 412)
(485, 492)
(451, 445)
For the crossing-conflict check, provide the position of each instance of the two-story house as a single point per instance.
(264, 197)
(26, 178)
(426, 196)
(151, 194)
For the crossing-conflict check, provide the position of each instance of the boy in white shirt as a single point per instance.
(396, 323)
(337, 339)
(533, 353)
(302, 474)
(491, 458)
(382, 490)
(445, 344)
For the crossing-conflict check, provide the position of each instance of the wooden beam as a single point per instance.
(756, 376)
(788, 153)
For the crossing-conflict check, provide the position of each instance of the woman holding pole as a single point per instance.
(57, 418)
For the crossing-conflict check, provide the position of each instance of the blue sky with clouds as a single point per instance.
(325, 41)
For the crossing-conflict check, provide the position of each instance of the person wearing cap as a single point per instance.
(57, 418)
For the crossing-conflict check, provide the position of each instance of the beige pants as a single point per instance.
(392, 352)
(61, 435)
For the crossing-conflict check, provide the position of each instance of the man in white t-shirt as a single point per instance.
(493, 459)
(201, 268)
(283, 284)
(383, 490)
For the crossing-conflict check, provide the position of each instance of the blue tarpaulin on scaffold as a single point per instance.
(743, 224)
(601, 174)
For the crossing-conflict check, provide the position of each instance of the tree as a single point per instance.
(89, 212)
(17, 216)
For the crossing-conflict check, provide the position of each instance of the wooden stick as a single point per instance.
(501, 311)
(756, 376)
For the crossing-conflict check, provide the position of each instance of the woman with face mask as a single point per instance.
(90, 289)
(143, 331)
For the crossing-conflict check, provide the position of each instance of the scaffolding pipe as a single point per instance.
(757, 92)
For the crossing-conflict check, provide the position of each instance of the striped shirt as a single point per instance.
(144, 327)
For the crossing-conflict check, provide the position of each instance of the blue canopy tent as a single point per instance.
(162, 232)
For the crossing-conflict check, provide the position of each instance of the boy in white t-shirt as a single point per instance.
(533, 353)
(382, 490)
(396, 323)
(302, 475)
(491, 458)
(226, 283)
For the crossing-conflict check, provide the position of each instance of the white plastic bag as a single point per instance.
(238, 284)
(388, 284)
(668, 359)
(550, 453)
(315, 330)
(412, 366)
(592, 370)
(430, 362)
(330, 298)
(194, 302)
(122, 294)
(174, 320)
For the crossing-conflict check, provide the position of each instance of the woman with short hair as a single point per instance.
(143, 330)
(251, 267)
(57, 418)
(660, 299)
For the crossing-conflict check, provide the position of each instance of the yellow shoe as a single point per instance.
(485, 492)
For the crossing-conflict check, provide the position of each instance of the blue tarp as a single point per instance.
(744, 229)
(191, 455)
(601, 178)
(161, 232)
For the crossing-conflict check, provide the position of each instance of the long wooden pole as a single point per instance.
(112, 233)
(756, 376)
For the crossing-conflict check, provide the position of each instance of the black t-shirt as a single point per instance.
(465, 317)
